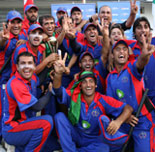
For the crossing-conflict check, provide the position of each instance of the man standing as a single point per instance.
(81, 128)
(125, 83)
(142, 27)
(33, 45)
(31, 12)
(21, 127)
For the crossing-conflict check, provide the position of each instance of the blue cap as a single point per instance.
(34, 27)
(86, 53)
(13, 15)
(29, 7)
(118, 138)
(87, 25)
(61, 9)
(119, 42)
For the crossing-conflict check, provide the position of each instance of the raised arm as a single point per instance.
(133, 12)
(104, 28)
(147, 51)
(4, 35)
(59, 69)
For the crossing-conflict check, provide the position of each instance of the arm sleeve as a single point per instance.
(133, 68)
(63, 95)
(113, 106)
(42, 102)
(123, 25)
(76, 47)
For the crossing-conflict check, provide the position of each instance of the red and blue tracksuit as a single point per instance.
(20, 126)
(101, 73)
(149, 71)
(127, 86)
(26, 24)
(26, 48)
(5, 53)
(84, 136)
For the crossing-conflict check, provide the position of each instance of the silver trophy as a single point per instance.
(53, 44)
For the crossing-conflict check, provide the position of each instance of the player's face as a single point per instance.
(26, 67)
(142, 28)
(35, 37)
(105, 13)
(15, 26)
(60, 14)
(115, 35)
(48, 26)
(88, 87)
(77, 17)
(91, 35)
(120, 54)
(86, 63)
(32, 15)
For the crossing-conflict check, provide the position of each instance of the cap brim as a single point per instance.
(119, 42)
(91, 24)
(15, 18)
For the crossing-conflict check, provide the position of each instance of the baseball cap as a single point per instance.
(61, 9)
(87, 25)
(86, 53)
(29, 7)
(34, 27)
(13, 15)
(119, 138)
(75, 8)
(120, 42)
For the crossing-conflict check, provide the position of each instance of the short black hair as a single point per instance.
(137, 23)
(25, 54)
(41, 18)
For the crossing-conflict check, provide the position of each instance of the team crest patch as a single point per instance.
(95, 113)
(142, 135)
(120, 93)
(85, 124)
(125, 79)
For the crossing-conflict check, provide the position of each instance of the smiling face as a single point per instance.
(35, 37)
(32, 15)
(91, 35)
(142, 29)
(26, 67)
(48, 26)
(15, 26)
(105, 13)
(88, 87)
(120, 54)
(115, 35)
(86, 63)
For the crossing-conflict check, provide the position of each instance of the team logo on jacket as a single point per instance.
(95, 113)
(120, 93)
(85, 124)
(142, 135)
